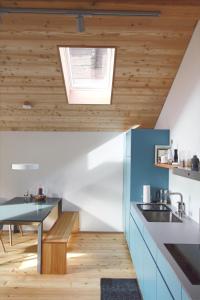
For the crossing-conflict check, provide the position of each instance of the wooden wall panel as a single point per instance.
(149, 52)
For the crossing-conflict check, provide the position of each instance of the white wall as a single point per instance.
(85, 169)
(181, 113)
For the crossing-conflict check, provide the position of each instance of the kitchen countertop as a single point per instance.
(187, 232)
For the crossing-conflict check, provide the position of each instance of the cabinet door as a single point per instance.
(128, 143)
(184, 295)
(124, 192)
(169, 276)
(162, 290)
(136, 249)
(149, 275)
(127, 200)
(132, 239)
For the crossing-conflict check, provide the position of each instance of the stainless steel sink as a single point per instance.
(161, 216)
(154, 212)
(153, 207)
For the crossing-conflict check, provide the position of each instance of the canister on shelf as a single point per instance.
(195, 163)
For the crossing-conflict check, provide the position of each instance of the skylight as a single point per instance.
(88, 74)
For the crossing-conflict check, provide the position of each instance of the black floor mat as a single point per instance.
(120, 289)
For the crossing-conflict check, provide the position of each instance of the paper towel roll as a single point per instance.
(146, 194)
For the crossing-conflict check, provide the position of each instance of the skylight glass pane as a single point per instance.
(89, 67)
(88, 74)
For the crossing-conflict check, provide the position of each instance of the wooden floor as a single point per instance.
(91, 256)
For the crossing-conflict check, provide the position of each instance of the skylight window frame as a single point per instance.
(68, 84)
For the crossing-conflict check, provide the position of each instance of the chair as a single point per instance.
(1, 227)
(10, 232)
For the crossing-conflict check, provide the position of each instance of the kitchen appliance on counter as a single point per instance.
(146, 193)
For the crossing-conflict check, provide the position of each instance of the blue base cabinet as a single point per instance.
(169, 276)
(139, 169)
(149, 275)
(143, 262)
(136, 250)
(184, 295)
(127, 172)
(155, 276)
(152, 284)
(162, 290)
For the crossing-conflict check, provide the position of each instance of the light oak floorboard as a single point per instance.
(91, 256)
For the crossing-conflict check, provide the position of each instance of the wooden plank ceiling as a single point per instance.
(149, 52)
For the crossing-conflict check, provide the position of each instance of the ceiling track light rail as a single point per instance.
(80, 14)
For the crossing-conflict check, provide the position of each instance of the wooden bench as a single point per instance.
(54, 245)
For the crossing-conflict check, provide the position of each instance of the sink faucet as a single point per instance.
(181, 204)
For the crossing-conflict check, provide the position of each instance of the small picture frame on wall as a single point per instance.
(161, 153)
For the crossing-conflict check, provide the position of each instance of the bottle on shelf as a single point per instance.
(170, 154)
(188, 160)
(195, 163)
(176, 155)
(182, 160)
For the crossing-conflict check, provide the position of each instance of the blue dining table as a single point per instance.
(27, 211)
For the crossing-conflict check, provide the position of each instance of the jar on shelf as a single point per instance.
(195, 163)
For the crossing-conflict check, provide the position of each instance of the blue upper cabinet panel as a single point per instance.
(139, 169)
(128, 143)
(143, 171)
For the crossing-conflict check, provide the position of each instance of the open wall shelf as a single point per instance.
(184, 172)
(165, 166)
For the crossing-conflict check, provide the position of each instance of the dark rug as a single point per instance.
(120, 289)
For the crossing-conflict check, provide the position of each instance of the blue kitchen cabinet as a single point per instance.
(144, 264)
(162, 291)
(128, 143)
(136, 250)
(184, 295)
(139, 169)
(128, 174)
(143, 170)
(156, 278)
(133, 239)
(126, 196)
(169, 276)
(151, 283)
(126, 186)
(150, 243)
(149, 275)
